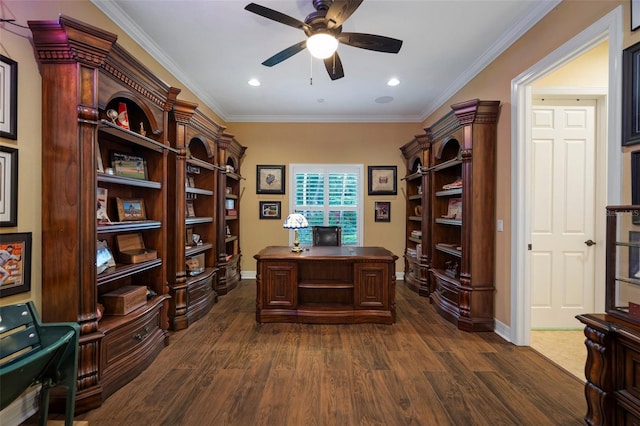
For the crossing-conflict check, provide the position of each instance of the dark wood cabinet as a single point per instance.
(85, 74)
(461, 232)
(326, 285)
(417, 239)
(613, 338)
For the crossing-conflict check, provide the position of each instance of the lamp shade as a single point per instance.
(295, 221)
(322, 45)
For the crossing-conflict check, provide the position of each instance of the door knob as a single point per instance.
(590, 243)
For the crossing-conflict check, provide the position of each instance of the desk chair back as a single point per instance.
(327, 235)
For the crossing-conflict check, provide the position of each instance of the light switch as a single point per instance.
(500, 225)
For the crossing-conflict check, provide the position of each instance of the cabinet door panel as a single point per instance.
(280, 281)
(371, 286)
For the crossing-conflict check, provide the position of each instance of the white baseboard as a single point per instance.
(502, 330)
(21, 409)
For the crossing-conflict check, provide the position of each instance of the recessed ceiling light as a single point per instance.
(393, 82)
(254, 82)
(384, 99)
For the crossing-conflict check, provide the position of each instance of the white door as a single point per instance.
(562, 216)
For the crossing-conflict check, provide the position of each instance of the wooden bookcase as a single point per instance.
(230, 155)
(85, 73)
(417, 238)
(462, 182)
(193, 186)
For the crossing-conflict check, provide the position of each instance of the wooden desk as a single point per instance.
(326, 285)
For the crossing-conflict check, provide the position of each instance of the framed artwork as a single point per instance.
(15, 263)
(382, 180)
(635, 14)
(191, 211)
(8, 98)
(130, 166)
(270, 179)
(8, 186)
(635, 182)
(131, 209)
(383, 211)
(634, 254)
(631, 95)
(270, 210)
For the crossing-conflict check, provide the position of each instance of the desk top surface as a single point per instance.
(326, 252)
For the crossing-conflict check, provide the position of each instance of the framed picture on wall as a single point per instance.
(383, 211)
(382, 180)
(631, 95)
(635, 182)
(270, 179)
(270, 210)
(8, 186)
(635, 14)
(8, 98)
(15, 263)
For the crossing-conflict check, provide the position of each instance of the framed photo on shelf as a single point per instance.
(191, 211)
(101, 209)
(15, 263)
(9, 98)
(454, 210)
(383, 211)
(191, 183)
(130, 166)
(270, 179)
(631, 95)
(382, 180)
(8, 186)
(634, 254)
(270, 210)
(131, 209)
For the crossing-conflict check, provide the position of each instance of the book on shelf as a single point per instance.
(416, 233)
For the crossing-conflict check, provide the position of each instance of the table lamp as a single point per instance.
(295, 221)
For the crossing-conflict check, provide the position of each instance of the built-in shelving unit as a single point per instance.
(91, 89)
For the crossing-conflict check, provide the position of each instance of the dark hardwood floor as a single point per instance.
(228, 370)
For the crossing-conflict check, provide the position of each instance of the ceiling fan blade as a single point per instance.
(371, 42)
(333, 64)
(274, 15)
(339, 11)
(285, 54)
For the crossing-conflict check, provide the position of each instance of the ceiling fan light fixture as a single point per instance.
(322, 45)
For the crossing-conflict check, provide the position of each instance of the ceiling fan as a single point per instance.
(324, 31)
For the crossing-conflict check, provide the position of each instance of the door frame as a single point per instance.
(610, 28)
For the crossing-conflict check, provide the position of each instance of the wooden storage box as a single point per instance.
(131, 249)
(124, 300)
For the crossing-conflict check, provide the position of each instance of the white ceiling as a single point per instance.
(215, 46)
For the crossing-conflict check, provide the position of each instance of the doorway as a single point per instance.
(608, 28)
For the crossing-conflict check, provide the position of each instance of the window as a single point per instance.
(328, 194)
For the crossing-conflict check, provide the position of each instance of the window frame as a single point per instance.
(326, 169)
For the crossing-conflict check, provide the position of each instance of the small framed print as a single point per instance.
(635, 14)
(631, 95)
(8, 98)
(382, 180)
(8, 187)
(15, 263)
(270, 210)
(131, 209)
(130, 166)
(635, 182)
(270, 179)
(383, 211)
(191, 211)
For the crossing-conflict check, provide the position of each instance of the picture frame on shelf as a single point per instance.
(8, 186)
(454, 209)
(191, 183)
(634, 254)
(270, 210)
(99, 163)
(383, 180)
(635, 183)
(270, 179)
(191, 211)
(101, 208)
(9, 98)
(130, 209)
(383, 211)
(631, 95)
(130, 166)
(15, 269)
(104, 257)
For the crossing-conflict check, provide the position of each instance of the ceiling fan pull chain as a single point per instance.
(310, 70)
